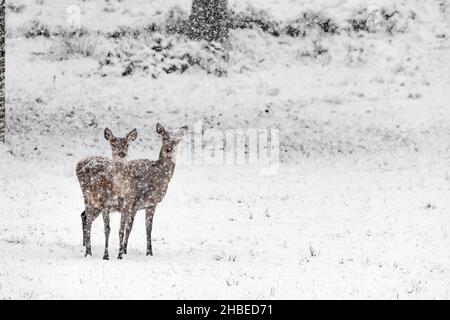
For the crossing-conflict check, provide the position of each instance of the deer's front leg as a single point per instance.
(107, 231)
(121, 233)
(149, 212)
(128, 227)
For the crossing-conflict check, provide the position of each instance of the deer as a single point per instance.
(148, 181)
(101, 181)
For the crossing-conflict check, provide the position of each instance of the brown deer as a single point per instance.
(148, 181)
(101, 183)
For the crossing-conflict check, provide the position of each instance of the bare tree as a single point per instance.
(209, 20)
(2, 71)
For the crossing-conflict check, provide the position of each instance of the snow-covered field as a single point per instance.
(359, 207)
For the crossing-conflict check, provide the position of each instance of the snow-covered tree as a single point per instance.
(2, 71)
(209, 20)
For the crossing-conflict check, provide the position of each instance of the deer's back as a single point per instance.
(95, 177)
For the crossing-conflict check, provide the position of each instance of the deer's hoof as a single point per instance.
(105, 257)
(149, 253)
(87, 254)
(119, 257)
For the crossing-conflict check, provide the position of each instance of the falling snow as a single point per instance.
(359, 207)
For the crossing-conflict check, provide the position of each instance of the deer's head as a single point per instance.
(119, 146)
(170, 141)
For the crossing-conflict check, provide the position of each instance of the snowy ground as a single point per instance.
(315, 231)
(358, 209)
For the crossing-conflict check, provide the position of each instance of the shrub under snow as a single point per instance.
(158, 54)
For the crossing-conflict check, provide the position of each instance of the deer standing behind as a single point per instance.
(101, 180)
(148, 181)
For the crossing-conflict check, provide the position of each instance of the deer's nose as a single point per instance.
(122, 154)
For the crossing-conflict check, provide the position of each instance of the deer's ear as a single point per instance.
(108, 134)
(132, 135)
(160, 129)
(182, 131)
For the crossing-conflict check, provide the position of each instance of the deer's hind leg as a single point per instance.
(83, 226)
(128, 227)
(91, 215)
(149, 212)
(123, 218)
(107, 231)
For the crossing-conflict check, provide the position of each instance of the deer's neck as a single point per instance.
(119, 177)
(167, 165)
(118, 167)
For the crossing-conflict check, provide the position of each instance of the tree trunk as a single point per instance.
(209, 20)
(2, 71)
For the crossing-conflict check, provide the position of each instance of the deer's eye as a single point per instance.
(169, 149)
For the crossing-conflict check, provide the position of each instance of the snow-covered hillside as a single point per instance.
(359, 207)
